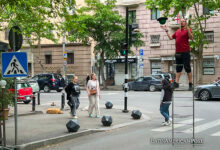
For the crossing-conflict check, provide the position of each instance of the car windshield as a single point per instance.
(22, 85)
(157, 76)
(140, 79)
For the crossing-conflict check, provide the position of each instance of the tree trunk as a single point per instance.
(200, 65)
(39, 51)
(102, 71)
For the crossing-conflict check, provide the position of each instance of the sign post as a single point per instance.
(15, 42)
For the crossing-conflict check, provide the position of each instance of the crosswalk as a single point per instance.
(185, 126)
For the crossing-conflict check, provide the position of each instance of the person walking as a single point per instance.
(166, 98)
(93, 91)
(182, 55)
(73, 92)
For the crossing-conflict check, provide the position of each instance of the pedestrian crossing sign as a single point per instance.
(14, 64)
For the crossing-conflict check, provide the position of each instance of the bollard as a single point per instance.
(62, 101)
(38, 98)
(33, 104)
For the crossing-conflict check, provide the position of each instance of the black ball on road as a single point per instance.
(72, 126)
(106, 120)
(136, 114)
(108, 105)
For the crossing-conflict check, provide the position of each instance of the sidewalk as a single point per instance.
(37, 129)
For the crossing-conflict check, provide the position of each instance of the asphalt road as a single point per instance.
(150, 134)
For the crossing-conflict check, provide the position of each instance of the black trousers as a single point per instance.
(74, 104)
(183, 60)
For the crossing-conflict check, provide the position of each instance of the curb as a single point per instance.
(28, 114)
(55, 140)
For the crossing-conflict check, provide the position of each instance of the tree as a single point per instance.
(102, 23)
(35, 18)
(197, 21)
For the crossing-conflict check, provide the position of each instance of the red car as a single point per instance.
(24, 92)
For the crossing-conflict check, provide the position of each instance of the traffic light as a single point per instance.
(132, 33)
(123, 49)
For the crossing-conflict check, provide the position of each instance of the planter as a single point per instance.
(6, 111)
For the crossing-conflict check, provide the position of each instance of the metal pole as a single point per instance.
(64, 52)
(33, 103)
(62, 101)
(4, 134)
(38, 98)
(126, 65)
(173, 105)
(193, 101)
(15, 99)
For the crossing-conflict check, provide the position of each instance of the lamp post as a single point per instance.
(3, 84)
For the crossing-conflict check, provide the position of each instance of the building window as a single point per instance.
(48, 59)
(70, 58)
(209, 36)
(6, 34)
(155, 67)
(132, 16)
(154, 40)
(208, 67)
(155, 14)
(207, 11)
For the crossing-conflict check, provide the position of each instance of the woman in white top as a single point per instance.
(93, 91)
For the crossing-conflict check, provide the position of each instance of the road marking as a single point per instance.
(216, 134)
(181, 124)
(204, 127)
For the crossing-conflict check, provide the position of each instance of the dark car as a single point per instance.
(209, 91)
(50, 81)
(163, 75)
(146, 83)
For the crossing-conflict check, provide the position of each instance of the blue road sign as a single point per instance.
(14, 64)
(141, 52)
(141, 65)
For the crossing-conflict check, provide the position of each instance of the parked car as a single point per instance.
(24, 92)
(145, 83)
(69, 78)
(209, 91)
(50, 81)
(163, 75)
(33, 83)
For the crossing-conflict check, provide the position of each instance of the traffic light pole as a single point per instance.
(126, 65)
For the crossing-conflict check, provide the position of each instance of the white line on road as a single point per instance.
(181, 124)
(204, 127)
(216, 134)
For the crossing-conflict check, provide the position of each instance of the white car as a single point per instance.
(34, 84)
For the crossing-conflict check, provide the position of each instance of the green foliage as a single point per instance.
(34, 17)
(7, 94)
(101, 22)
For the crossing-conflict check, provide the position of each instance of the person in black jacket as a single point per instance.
(73, 92)
(166, 98)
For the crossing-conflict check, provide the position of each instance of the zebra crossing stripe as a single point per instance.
(180, 124)
(216, 134)
(204, 127)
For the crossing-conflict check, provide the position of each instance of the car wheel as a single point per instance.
(204, 95)
(152, 88)
(26, 102)
(46, 88)
(59, 90)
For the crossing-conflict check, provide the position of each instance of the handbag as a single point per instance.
(93, 92)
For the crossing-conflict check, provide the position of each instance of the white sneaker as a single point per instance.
(170, 120)
(75, 117)
(166, 123)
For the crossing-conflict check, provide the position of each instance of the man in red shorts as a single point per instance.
(182, 51)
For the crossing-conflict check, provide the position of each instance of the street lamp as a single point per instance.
(3, 83)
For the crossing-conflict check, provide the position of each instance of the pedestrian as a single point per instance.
(87, 79)
(182, 55)
(166, 98)
(73, 92)
(93, 91)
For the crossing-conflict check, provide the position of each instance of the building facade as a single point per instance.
(159, 50)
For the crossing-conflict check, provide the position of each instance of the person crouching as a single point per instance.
(166, 98)
(73, 92)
